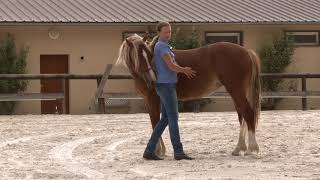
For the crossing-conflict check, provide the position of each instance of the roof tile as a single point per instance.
(135, 11)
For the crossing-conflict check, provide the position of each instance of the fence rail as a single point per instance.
(101, 79)
(61, 76)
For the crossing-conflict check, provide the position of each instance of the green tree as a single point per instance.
(180, 40)
(12, 61)
(275, 57)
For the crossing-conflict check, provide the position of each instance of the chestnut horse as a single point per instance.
(219, 64)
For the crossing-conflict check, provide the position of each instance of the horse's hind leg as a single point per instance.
(248, 115)
(241, 146)
(241, 101)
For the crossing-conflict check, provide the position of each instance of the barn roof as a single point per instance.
(150, 11)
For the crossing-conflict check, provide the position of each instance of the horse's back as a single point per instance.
(211, 53)
(215, 64)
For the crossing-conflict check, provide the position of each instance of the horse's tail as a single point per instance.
(255, 90)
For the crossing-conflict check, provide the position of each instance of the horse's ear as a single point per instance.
(128, 42)
(145, 37)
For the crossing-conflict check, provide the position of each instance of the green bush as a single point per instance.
(275, 57)
(179, 40)
(12, 61)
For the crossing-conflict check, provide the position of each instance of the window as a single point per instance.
(214, 37)
(304, 38)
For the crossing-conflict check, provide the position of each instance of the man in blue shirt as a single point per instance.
(164, 73)
(166, 70)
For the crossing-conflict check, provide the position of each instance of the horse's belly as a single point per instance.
(214, 86)
(198, 90)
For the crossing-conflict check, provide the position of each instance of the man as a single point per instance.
(166, 70)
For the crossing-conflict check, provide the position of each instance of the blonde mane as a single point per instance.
(124, 50)
(153, 43)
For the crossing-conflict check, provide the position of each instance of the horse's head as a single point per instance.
(135, 54)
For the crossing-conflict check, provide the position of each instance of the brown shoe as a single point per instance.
(151, 156)
(182, 156)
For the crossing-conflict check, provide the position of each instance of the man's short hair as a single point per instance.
(162, 24)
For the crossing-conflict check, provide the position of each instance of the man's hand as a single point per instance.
(189, 72)
(175, 67)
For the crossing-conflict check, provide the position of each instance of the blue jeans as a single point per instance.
(169, 115)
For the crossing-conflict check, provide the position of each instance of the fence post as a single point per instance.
(101, 105)
(64, 107)
(101, 83)
(304, 89)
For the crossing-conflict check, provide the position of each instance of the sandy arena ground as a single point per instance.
(111, 146)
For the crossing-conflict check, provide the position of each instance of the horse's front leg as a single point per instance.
(152, 102)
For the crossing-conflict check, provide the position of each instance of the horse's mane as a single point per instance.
(124, 53)
(153, 43)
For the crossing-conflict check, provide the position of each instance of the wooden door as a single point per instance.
(54, 64)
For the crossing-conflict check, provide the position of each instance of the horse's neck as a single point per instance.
(134, 75)
(141, 86)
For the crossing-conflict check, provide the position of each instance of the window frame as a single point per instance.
(304, 32)
(231, 33)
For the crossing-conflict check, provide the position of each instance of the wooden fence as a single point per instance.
(102, 79)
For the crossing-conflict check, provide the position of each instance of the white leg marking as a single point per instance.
(241, 146)
(160, 148)
(252, 144)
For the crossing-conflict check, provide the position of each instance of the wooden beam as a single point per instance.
(61, 76)
(128, 95)
(103, 81)
(48, 76)
(31, 96)
(64, 104)
(288, 75)
(128, 76)
(283, 94)
(304, 89)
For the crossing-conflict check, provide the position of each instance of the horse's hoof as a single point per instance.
(254, 148)
(243, 148)
(250, 152)
(238, 149)
(161, 152)
(235, 153)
